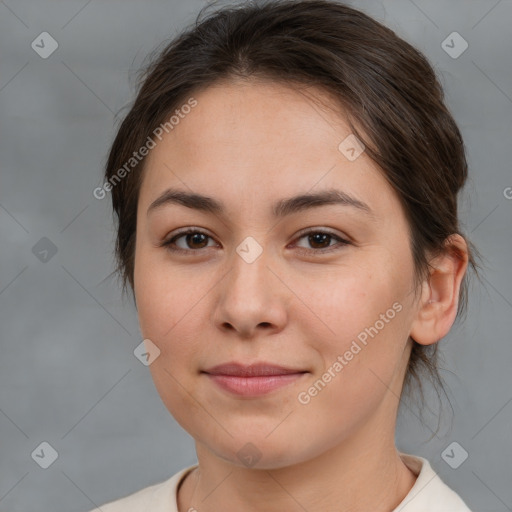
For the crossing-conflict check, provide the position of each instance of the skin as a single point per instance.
(250, 144)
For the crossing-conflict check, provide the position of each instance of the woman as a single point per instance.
(286, 191)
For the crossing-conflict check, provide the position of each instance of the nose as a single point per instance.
(251, 298)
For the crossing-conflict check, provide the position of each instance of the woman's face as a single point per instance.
(267, 279)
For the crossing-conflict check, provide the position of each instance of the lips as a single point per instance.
(252, 380)
(253, 370)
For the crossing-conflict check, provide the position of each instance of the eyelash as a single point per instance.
(168, 244)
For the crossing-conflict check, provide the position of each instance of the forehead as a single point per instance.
(253, 141)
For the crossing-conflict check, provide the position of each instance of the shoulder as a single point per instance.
(429, 493)
(160, 497)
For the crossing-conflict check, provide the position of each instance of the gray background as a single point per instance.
(68, 375)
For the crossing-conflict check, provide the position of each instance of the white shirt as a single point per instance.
(428, 494)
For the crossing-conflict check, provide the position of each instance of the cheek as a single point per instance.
(177, 392)
(163, 293)
(342, 305)
(172, 312)
(166, 312)
(358, 365)
(357, 325)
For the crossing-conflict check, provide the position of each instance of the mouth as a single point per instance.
(252, 380)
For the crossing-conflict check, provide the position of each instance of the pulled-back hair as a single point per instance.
(386, 88)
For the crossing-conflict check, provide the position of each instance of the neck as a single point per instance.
(362, 473)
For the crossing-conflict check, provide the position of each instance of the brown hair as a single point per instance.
(388, 90)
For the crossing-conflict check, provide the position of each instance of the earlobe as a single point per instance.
(437, 306)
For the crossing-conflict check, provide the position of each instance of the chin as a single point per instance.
(255, 451)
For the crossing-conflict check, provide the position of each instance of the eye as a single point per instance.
(320, 241)
(193, 239)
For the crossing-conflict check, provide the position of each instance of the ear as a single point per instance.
(437, 307)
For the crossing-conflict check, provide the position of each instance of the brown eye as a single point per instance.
(196, 239)
(320, 242)
(191, 240)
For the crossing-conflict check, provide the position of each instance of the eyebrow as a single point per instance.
(281, 208)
